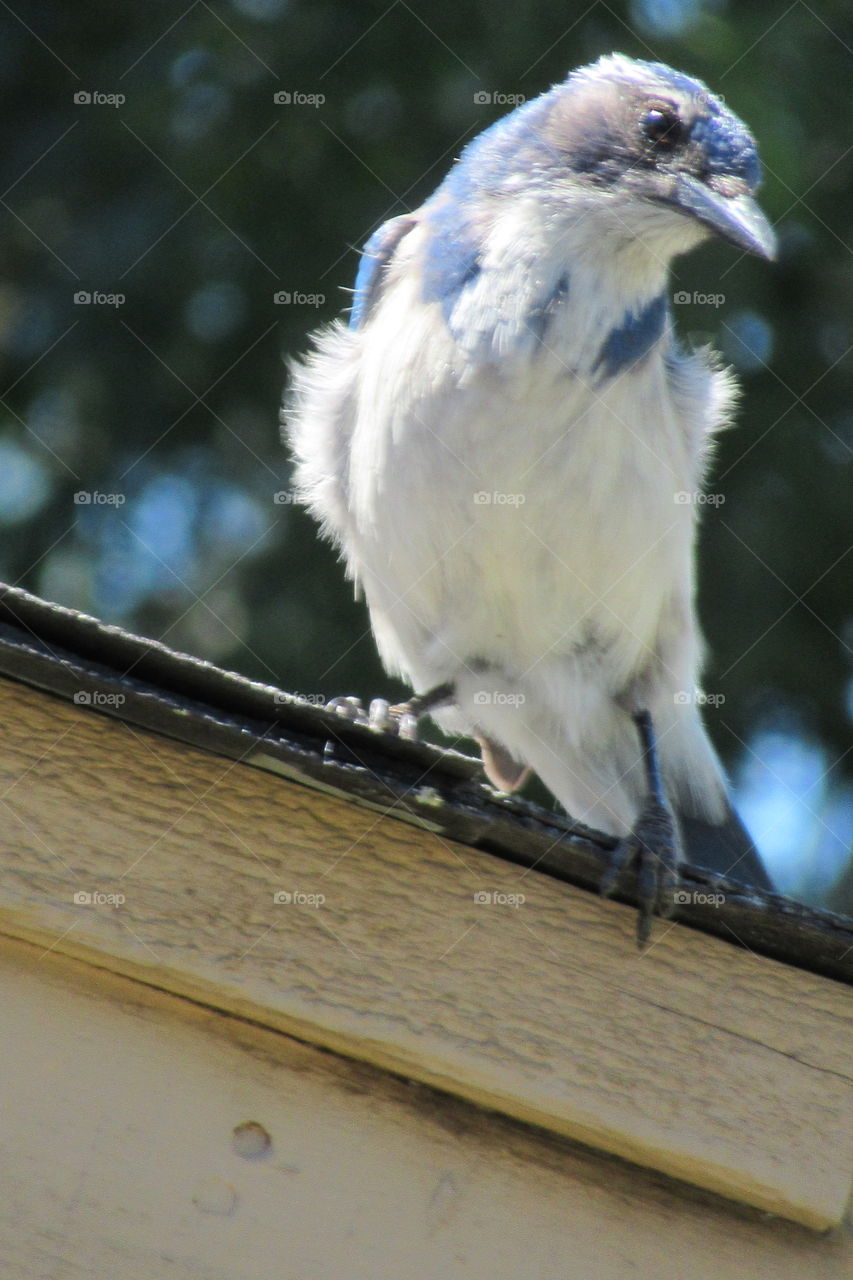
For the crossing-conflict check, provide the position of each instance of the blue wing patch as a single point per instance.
(376, 255)
(634, 338)
(452, 258)
(510, 147)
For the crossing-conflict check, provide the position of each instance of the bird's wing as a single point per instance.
(376, 255)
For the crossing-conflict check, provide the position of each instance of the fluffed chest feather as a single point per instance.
(563, 505)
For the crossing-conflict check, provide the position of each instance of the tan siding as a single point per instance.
(117, 1109)
(697, 1059)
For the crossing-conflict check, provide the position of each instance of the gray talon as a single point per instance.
(652, 849)
(348, 709)
(380, 718)
(401, 720)
(408, 727)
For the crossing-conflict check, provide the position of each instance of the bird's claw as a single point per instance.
(348, 709)
(651, 847)
(399, 719)
(379, 716)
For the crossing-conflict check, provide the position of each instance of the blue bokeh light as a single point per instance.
(25, 483)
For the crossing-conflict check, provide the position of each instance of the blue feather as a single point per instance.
(632, 339)
(726, 141)
(452, 258)
(376, 254)
(512, 147)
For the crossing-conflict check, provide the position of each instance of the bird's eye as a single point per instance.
(663, 128)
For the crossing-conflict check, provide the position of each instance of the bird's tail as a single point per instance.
(726, 848)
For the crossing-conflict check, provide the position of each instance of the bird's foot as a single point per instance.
(421, 703)
(379, 716)
(405, 715)
(401, 719)
(651, 848)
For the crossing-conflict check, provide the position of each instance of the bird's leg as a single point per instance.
(652, 845)
(403, 718)
(421, 703)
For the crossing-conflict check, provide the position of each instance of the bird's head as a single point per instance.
(592, 188)
(633, 145)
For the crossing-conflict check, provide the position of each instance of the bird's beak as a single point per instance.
(737, 219)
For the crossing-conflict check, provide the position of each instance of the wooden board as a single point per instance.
(697, 1059)
(124, 1113)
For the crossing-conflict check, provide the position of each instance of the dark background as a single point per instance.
(199, 198)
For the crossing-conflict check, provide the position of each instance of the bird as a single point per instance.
(508, 444)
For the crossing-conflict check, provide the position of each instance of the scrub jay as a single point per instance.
(508, 445)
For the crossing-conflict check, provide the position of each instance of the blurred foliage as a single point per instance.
(198, 199)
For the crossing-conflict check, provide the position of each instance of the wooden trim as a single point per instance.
(697, 1059)
(142, 683)
(122, 1107)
